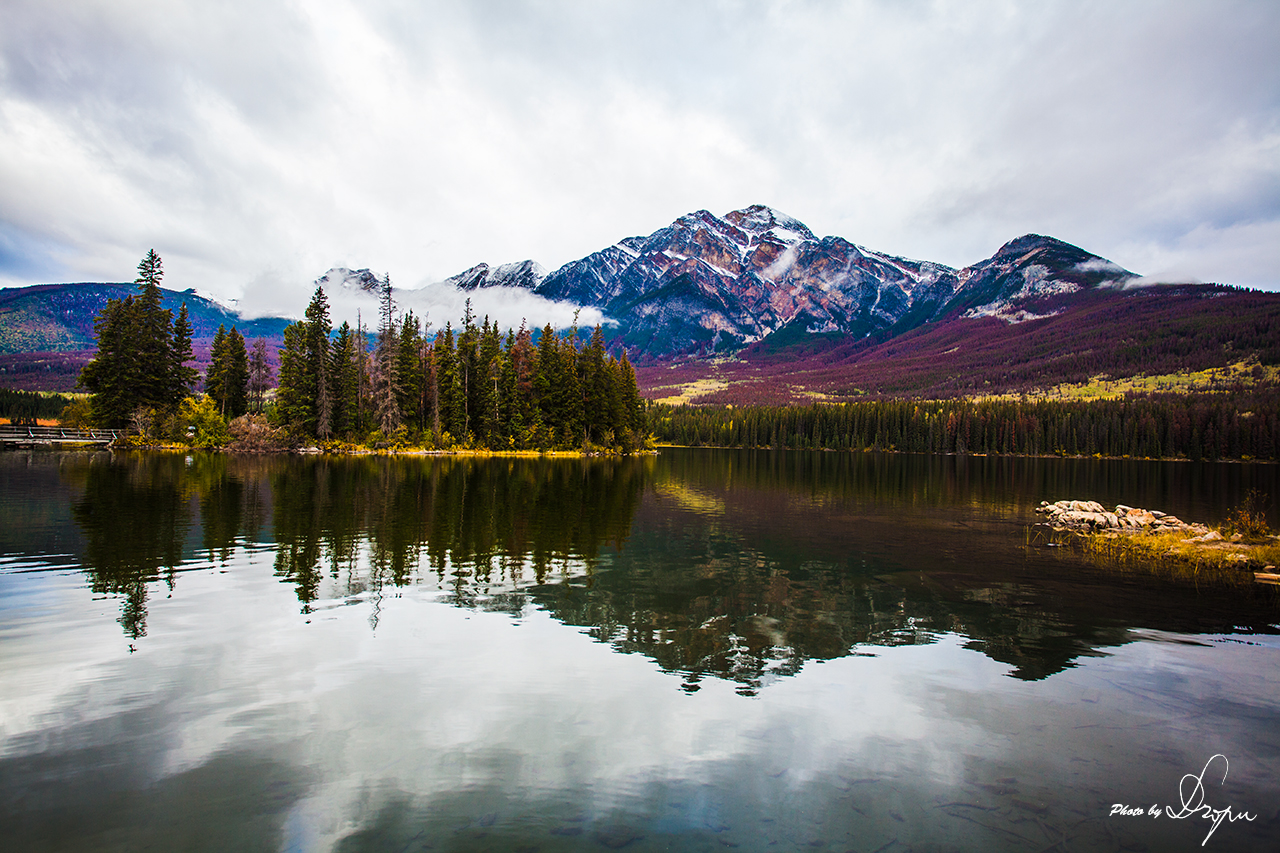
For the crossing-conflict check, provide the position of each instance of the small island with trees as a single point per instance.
(349, 390)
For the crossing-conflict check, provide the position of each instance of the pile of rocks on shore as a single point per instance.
(1091, 515)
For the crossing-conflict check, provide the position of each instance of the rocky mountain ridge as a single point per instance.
(708, 284)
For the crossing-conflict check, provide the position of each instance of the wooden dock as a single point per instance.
(45, 436)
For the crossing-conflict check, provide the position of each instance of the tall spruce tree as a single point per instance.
(487, 379)
(386, 380)
(237, 377)
(141, 360)
(259, 374)
(409, 370)
(293, 410)
(182, 377)
(345, 381)
(215, 377)
(318, 392)
(156, 386)
(112, 376)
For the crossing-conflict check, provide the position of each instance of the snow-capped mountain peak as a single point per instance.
(341, 277)
(525, 274)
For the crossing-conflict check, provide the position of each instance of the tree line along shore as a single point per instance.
(1243, 424)
(477, 389)
(469, 389)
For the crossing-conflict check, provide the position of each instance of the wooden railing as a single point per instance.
(30, 435)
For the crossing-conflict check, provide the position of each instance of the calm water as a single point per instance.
(700, 651)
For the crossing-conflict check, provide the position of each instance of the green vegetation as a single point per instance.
(1241, 424)
(27, 407)
(139, 374)
(472, 391)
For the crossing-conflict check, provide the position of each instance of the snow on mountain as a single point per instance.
(341, 277)
(231, 306)
(706, 282)
(524, 274)
(1033, 268)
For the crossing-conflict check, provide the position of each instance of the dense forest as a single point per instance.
(1233, 425)
(473, 388)
(26, 407)
(397, 387)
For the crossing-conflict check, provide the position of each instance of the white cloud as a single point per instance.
(255, 145)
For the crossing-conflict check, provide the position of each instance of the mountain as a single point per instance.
(797, 315)
(709, 284)
(342, 278)
(525, 274)
(46, 330)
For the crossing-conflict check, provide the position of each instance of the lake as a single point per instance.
(703, 650)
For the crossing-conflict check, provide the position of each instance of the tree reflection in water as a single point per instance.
(737, 565)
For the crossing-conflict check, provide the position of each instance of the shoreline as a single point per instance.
(1078, 456)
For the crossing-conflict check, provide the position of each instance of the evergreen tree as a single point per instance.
(140, 365)
(183, 378)
(450, 409)
(488, 377)
(293, 410)
(345, 381)
(112, 376)
(470, 376)
(237, 376)
(599, 400)
(156, 385)
(259, 374)
(215, 378)
(364, 377)
(318, 392)
(633, 409)
(386, 379)
(410, 370)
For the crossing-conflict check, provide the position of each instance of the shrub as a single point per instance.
(1249, 519)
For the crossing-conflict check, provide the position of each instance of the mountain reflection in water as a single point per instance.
(739, 565)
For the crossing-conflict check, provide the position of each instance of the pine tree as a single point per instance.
(215, 379)
(318, 392)
(237, 377)
(386, 380)
(112, 376)
(450, 409)
(345, 381)
(632, 403)
(292, 407)
(259, 374)
(409, 370)
(156, 385)
(598, 394)
(183, 378)
(140, 365)
(488, 376)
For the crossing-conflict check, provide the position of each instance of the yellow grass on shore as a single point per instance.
(1248, 374)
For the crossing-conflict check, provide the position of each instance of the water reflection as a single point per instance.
(736, 565)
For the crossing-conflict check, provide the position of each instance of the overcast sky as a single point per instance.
(256, 144)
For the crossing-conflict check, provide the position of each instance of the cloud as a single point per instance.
(255, 145)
